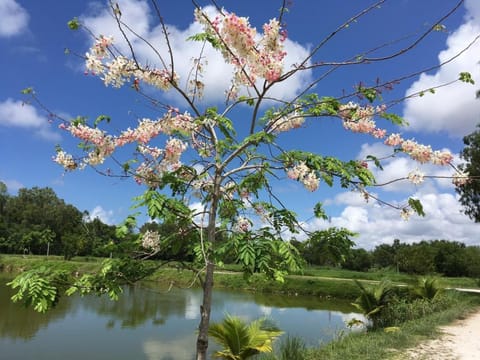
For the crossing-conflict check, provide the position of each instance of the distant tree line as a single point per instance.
(36, 221)
(449, 258)
(334, 248)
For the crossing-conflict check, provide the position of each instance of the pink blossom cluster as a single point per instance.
(151, 151)
(302, 173)
(150, 171)
(293, 120)
(239, 46)
(147, 173)
(65, 160)
(173, 150)
(104, 144)
(121, 69)
(151, 240)
(360, 119)
(242, 224)
(100, 48)
(146, 130)
(183, 123)
(157, 161)
(419, 152)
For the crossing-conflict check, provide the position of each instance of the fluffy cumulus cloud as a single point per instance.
(13, 18)
(19, 114)
(377, 224)
(216, 75)
(106, 216)
(453, 109)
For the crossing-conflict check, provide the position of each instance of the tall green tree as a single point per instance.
(329, 247)
(470, 191)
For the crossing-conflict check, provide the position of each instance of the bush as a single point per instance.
(402, 310)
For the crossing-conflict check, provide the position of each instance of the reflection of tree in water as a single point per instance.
(307, 302)
(139, 304)
(18, 322)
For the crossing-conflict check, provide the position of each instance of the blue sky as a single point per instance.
(33, 36)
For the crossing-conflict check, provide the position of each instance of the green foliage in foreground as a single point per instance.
(241, 340)
(290, 348)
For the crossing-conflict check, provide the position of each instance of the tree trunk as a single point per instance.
(205, 309)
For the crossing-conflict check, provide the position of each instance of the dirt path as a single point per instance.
(460, 341)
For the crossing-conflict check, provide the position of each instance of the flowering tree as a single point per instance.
(232, 159)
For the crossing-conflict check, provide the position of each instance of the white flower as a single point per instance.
(416, 176)
(460, 178)
(242, 224)
(151, 240)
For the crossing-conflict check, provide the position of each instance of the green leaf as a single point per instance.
(73, 24)
(319, 212)
(27, 91)
(375, 161)
(370, 93)
(79, 120)
(416, 206)
(207, 37)
(394, 119)
(101, 118)
(466, 77)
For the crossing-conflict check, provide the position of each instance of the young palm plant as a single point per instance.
(241, 340)
(427, 288)
(373, 299)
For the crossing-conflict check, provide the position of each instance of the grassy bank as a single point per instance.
(381, 345)
(14, 264)
(318, 282)
(171, 276)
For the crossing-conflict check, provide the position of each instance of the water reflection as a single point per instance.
(17, 322)
(151, 323)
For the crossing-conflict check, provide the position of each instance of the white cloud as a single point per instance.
(14, 18)
(453, 109)
(12, 185)
(378, 224)
(199, 211)
(216, 75)
(19, 114)
(106, 216)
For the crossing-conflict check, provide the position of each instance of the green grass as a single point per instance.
(17, 263)
(381, 345)
(315, 281)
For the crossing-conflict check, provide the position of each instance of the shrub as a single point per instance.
(402, 310)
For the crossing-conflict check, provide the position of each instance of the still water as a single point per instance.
(151, 324)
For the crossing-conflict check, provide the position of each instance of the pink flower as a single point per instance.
(393, 140)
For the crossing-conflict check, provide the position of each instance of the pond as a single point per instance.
(152, 323)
